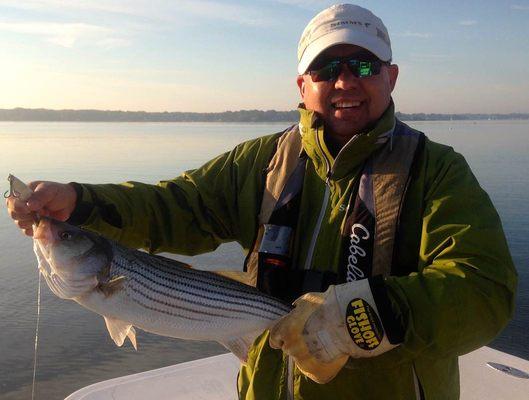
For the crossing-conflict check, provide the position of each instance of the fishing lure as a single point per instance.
(17, 189)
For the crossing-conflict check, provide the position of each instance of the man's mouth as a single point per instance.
(340, 105)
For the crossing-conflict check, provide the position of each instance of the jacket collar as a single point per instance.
(353, 154)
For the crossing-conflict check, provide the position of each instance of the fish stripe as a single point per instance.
(225, 296)
(192, 310)
(246, 310)
(173, 267)
(168, 312)
(254, 297)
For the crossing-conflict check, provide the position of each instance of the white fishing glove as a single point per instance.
(325, 329)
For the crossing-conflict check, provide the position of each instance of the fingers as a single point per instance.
(291, 343)
(18, 210)
(28, 232)
(56, 200)
(276, 334)
(51, 199)
(24, 224)
(287, 332)
(18, 206)
(285, 335)
(18, 215)
(44, 194)
(24, 220)
(33, 185)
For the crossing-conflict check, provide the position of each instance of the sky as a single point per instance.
(210, 56)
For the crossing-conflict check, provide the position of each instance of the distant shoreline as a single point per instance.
(45, 115)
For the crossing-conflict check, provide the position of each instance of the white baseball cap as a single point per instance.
(343, 24)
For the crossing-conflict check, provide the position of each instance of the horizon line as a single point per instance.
(235, 111)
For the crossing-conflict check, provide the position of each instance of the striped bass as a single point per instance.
(130, 288)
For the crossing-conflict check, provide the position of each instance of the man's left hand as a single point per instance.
(325, 329)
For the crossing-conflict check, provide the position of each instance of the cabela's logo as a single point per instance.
(358, 232)
(363, 324)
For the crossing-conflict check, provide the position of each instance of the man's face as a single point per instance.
(348, 105)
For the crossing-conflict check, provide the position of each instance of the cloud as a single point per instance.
(111, 43)
(218, 10)
(520, 7)
(468, 22)
(414, 34)
(61, 34)
(158, 10)
(61, 5)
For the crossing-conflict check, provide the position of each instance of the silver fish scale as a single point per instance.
(167, 286)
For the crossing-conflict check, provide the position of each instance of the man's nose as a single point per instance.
(346, 80)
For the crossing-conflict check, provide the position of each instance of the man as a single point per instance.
(401, 250)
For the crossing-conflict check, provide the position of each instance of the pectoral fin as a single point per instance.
(119, 330)
(112, 286)
(240, 345)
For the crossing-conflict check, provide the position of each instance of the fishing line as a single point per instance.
(36, 341)
(19, 190)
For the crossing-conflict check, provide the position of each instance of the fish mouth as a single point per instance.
(45, 232)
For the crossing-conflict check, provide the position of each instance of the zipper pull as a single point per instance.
(328, 179)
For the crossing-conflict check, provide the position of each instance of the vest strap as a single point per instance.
(281, 176)
(390, 173)
(282, 165)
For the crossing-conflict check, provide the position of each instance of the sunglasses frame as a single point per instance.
(354, 64)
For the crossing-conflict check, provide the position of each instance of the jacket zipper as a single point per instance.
(290, 378)
(326, 195)
(417, 385)
(329, 174)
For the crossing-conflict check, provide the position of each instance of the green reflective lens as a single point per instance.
(365, 69)
(330, 70)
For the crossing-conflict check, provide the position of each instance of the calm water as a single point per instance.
(74, 348)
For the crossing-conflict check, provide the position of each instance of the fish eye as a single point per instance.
(65, 235)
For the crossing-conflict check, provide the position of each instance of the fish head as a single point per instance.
(74, 260)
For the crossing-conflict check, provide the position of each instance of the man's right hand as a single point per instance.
(49, 199)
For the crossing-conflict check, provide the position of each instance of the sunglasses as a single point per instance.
(330, 70)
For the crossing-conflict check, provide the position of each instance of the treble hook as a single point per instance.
(12, 192)
(17, 189)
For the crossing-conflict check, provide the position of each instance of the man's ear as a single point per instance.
(393, 72)
(301, 85)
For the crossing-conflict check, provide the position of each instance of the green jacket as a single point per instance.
(458, 296)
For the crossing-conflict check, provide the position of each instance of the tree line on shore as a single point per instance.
(26, 114)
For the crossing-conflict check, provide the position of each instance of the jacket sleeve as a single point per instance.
(190, 214)
(463, 293)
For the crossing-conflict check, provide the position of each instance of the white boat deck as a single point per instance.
(215, 378)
